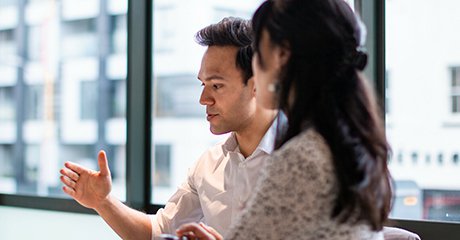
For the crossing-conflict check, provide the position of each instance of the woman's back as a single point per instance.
(296, 195)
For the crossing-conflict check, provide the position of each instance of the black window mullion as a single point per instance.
(139, 116)
(372, 13)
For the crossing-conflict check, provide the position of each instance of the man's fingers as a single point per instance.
(75, 167)
(68, 182)
(70, 174)
(69, 191)
(103, 163)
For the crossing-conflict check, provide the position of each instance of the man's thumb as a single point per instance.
(103, 164)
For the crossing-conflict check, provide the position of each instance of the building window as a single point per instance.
(455, 90)
(162, 166)
(117, 97)
(88, 93)
(414, 157)
(80, 38)
(7, 169)
(34, 102)
(427, 158)
(440, 159)
(119, 36)
(7, 112)
(181, 102)
(35, 42)
(400, 157)
(7, 44)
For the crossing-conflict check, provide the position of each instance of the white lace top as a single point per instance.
(295, 196)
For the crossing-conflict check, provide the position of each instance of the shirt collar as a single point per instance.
(267, 143)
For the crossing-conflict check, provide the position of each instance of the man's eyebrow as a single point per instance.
(212, 77)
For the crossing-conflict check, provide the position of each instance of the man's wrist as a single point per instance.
(105, 204)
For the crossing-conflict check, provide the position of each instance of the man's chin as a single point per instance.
(218, 131)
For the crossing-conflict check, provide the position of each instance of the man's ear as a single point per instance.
(252, 85)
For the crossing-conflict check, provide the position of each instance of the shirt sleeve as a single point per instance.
(183, 207)
(287, 202)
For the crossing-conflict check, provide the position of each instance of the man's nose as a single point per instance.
(206, 98)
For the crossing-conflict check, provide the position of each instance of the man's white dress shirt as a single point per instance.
(217, 187)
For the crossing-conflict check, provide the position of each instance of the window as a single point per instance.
(424, 92)
(455, 158)
(34, 102)
(177, 96)
(62, 93)
(7, 170)
(118, 34)
(162, 166)
(79, 38)
(117, 99)
(455, 86)
(7, 112)
(7, 46)
(88, 96)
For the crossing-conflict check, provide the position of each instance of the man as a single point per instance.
(221, 181)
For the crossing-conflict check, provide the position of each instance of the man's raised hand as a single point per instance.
(88, 187)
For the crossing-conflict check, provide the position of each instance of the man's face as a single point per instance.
(230, 104)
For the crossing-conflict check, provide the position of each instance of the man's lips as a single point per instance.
(210, 116)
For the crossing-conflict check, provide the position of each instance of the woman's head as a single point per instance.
(306, 63)
(294, 39)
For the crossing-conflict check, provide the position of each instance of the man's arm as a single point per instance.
(92, 190)
(126, 222)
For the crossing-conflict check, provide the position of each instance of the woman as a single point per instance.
(328, 178)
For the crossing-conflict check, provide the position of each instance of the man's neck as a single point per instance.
(249, 138)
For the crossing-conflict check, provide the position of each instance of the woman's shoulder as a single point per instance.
(307, 150)
(309, 140)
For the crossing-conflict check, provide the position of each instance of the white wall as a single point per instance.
(31, 224)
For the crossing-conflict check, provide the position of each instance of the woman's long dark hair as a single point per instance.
(327, 92)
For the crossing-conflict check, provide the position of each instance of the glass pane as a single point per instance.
(423, 125)
(62, 91)
(7, 111)
(455, 104)
(456, 77)
(180, 130)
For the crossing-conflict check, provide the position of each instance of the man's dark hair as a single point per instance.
(231, 31)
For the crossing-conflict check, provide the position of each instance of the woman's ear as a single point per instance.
(282, 55)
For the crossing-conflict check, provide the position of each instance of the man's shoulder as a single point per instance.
(214, 154)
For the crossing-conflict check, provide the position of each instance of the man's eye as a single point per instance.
(217, 86)
(202, 84)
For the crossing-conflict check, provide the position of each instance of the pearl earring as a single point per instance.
(273, 87)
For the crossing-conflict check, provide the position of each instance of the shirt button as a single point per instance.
(242, 165)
